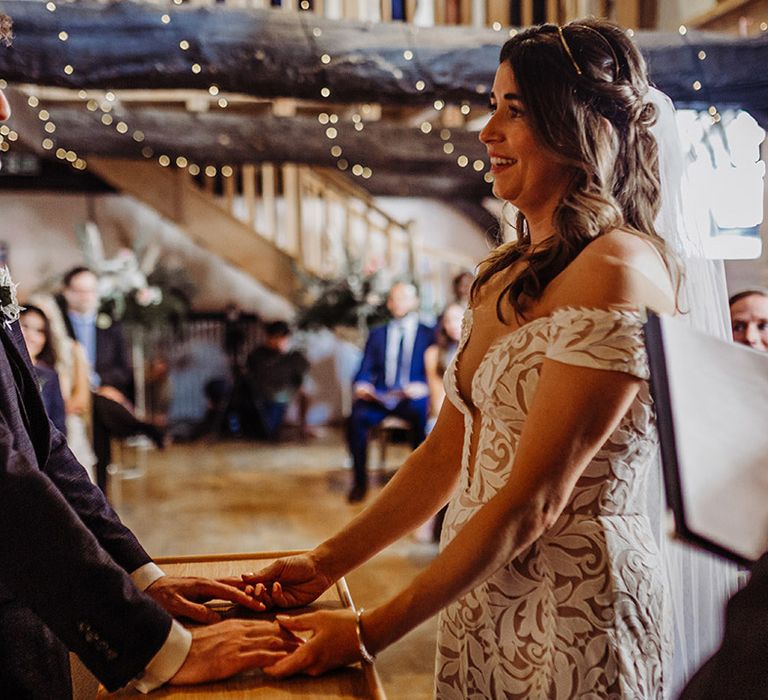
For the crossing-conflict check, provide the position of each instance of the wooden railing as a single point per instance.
(316, 217)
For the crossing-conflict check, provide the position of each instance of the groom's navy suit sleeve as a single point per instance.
(63, 551)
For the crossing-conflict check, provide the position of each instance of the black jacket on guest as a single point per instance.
(64, 554)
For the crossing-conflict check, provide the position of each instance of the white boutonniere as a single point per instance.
(9, 306)
(103, 321)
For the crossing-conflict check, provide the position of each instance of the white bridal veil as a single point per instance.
(699, 583)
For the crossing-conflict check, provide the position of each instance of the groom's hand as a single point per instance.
(290, 582)
(184, 597)
(222, 650)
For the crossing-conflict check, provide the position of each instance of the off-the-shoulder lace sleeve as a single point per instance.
(600, 338)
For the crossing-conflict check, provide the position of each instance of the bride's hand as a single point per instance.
(290, 582)
(333, 643)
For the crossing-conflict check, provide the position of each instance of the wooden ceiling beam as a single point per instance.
(279, 54)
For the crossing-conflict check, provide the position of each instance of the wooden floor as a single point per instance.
(240, 496)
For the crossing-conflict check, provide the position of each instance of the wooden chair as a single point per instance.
(383, 433)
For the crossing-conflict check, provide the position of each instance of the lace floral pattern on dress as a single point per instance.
(577, 615)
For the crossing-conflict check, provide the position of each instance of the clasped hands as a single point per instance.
(221, 649)
(331, 635)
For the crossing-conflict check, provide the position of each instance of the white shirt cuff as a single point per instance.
(168, 660)
(146, 575)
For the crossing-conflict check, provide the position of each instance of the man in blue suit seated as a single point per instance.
(391, 380)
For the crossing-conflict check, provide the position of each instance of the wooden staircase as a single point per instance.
(279, 222)
(176, 196)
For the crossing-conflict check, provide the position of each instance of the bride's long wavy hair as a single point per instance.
(571, 80)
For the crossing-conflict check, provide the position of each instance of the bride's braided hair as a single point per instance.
(572, 80)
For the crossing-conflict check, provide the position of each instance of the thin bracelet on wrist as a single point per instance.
(367, 656)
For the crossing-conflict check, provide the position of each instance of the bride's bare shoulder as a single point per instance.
(617, 269)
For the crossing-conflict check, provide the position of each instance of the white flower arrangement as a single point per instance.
(9, 304)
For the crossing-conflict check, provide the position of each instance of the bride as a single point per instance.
(549, 582)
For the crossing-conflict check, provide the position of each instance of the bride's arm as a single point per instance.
(421, 486)
(418, 490)
(574, 411)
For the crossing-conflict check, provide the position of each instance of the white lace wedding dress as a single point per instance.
(582, 612)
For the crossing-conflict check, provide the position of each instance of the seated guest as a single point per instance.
(391, 381)
(462, 286)
(37, 337)
(74, 372)
(438, 356)
(105, 347)
(275, 374)
(749, 318)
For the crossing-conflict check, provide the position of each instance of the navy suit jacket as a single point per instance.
(63, 551)
(373, 365)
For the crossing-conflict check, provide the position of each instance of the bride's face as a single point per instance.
(525, 172)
